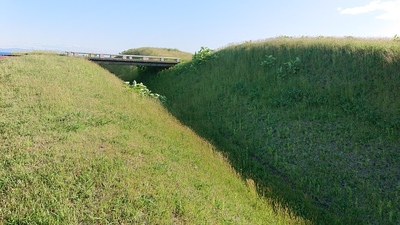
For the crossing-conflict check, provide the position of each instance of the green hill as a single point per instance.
(315, 122)
(167, 52)
(79, 147)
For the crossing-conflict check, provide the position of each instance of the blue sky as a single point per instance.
(113, 26)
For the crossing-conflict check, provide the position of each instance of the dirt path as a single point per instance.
(7, 56)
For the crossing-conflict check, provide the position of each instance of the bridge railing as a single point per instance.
(123, 57)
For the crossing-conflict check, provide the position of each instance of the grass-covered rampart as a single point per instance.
(79, 147)
(314, 121)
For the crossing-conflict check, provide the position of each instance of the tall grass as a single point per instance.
(321, 138)
(78, 147)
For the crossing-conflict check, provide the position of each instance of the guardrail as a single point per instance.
(117, 57)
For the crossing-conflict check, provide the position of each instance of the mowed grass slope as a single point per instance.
(78, 147)
(317, 125)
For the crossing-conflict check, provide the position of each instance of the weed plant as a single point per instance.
(315, 122)
(143, 91)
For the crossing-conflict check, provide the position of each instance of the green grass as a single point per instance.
(321, 136)
(166, 52)
(78, 147)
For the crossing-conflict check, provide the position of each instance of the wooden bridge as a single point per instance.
(135, 60)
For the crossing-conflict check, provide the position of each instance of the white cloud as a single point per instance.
(390, 9)
(375, 5)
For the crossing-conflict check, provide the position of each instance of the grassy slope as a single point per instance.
(323, 140)
(130, 73)
(78, 147)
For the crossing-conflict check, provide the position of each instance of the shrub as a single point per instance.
(142, 90)
(290, 67)
(269, 61)
(202, 56)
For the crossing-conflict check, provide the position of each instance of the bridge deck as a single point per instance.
(136, 60)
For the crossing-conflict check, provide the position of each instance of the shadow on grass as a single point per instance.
(271, 183)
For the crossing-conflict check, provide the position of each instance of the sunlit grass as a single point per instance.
(78, 147)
